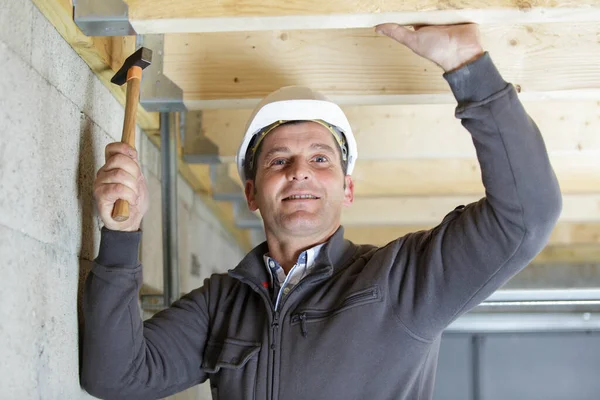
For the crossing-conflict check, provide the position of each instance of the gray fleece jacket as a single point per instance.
(366, 323)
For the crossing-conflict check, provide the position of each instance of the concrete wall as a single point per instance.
(55, 118)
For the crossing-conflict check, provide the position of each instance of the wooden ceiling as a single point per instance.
(416, 161)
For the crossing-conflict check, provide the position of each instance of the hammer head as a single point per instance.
(141, 58)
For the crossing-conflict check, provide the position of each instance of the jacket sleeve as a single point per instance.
(123, 357)
(450, 269)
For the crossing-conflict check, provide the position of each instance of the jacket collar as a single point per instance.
(334, 255)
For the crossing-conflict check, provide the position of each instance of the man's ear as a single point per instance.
(250, 191)
(348, 191)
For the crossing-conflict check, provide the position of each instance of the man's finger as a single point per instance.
(109, 193)
(119, 148)
(397, 32)
(119, 161)
(118, 175)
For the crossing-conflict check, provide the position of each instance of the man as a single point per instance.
(309, 315)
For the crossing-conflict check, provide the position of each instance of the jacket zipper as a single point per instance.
(305, 316)
(274, 343)
(274, 333)
(275, 326)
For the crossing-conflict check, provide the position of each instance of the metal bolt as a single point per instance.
(587, 316)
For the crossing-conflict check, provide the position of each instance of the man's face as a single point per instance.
(299, 186)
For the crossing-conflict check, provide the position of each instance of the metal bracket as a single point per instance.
(158, 93)
(197, 148)
(244, 218)
(223, 187)
(102, 17)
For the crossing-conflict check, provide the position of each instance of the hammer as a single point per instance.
(130, 72)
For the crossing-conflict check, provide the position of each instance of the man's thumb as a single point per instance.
(396, 32)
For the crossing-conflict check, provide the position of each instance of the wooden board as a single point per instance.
(104, 55)
(415, 210)
(358, 66)
(557, 251)
(164, 16)
(427, 131)
(564, 234)
(577, 174)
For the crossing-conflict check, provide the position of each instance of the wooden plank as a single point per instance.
(167, 16)
(415, 210)
(577, 174)
(433, 177)
(564, 234)
(104, 55)
(557, 251)
(358, 66)
(582, 254)
(427, 131)
(429, 210)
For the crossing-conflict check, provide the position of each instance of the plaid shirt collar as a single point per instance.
(279, 280)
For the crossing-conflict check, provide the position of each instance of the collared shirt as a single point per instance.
(282, 284)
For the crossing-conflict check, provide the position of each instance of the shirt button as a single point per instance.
(271, 264)
(286, 290)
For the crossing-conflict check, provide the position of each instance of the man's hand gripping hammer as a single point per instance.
(130, 72)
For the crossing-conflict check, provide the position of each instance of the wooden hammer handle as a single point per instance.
(134, 76)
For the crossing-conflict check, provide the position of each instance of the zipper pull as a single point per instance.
(274, 326)
(303, 324)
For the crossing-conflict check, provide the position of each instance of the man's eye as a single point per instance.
(279, 161)
(321, 159)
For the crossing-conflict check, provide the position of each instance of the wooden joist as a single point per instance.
(168, 16)
(577, 174)
(416, 210)
(358, 66)
(563, 235)
(426, 131)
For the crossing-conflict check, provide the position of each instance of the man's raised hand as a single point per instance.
(449, 46)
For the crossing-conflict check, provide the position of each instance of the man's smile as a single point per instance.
(296, 197)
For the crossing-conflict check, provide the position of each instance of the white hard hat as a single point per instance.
(296, 103)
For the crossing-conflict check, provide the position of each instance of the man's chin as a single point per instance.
(302, 223)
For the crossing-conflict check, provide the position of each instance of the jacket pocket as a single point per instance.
(232, 365)
(365, 296)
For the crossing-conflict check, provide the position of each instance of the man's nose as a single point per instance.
(298, 170)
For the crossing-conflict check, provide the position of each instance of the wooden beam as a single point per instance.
(358, 66)
(564, 234)
(427, 131)
(557, 250)
(104, 55)
(577, 174)
(167, 16)
(416, 210)
(582, 254)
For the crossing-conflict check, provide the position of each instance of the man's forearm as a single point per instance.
(518, 177)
